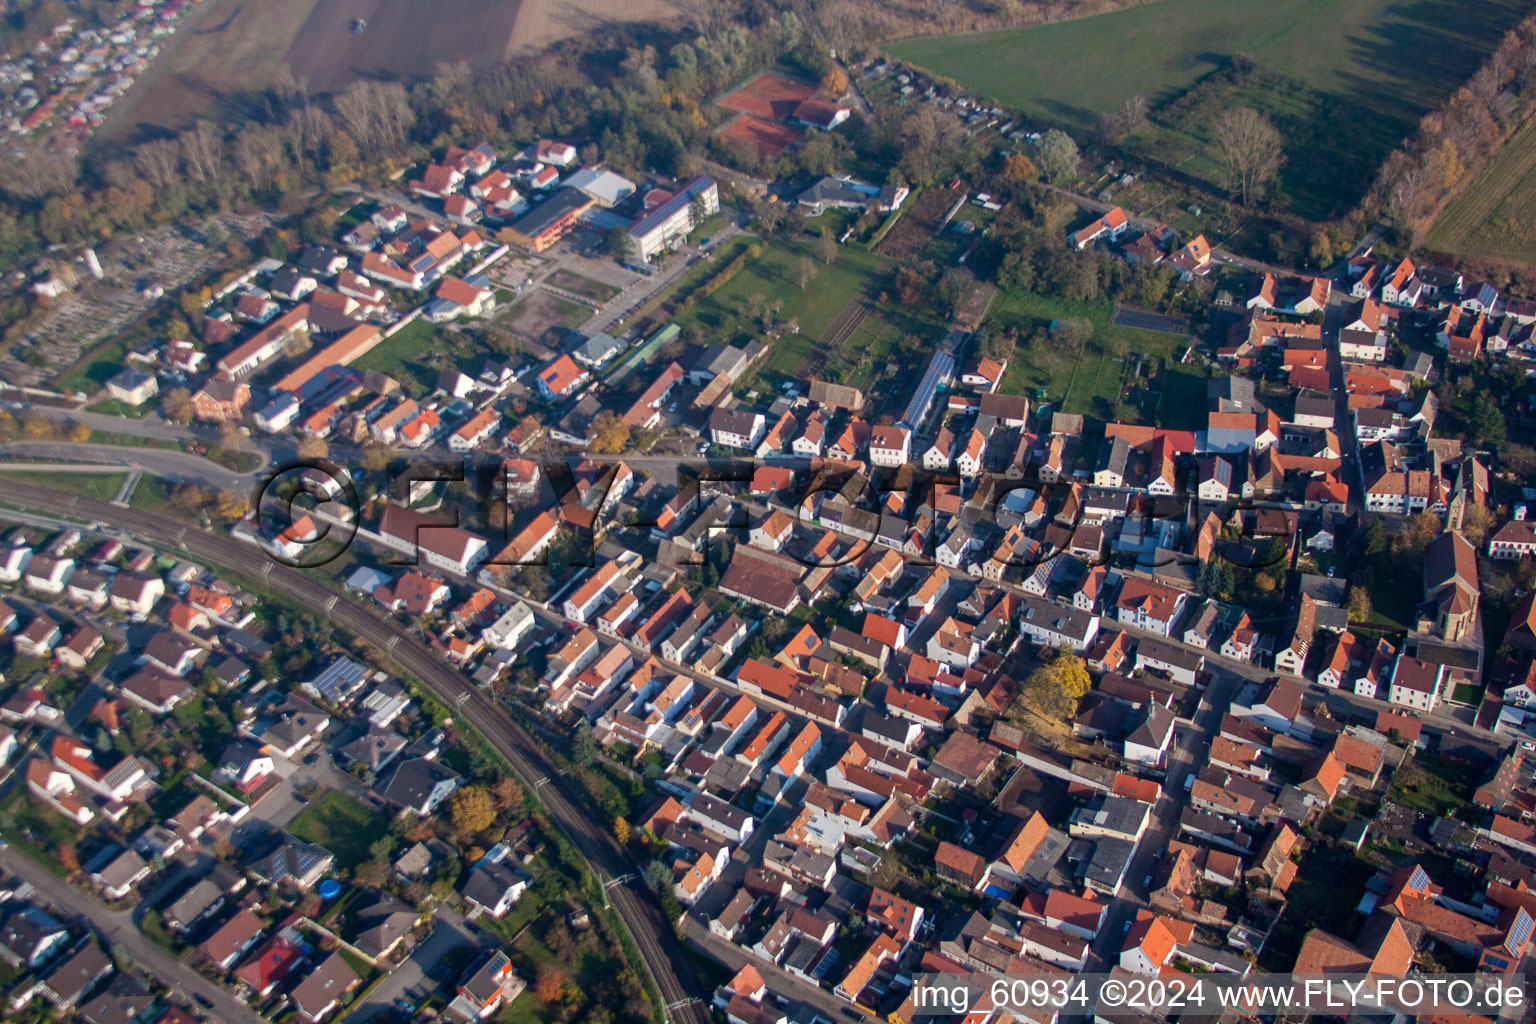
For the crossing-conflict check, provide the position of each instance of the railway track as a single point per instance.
(660, 951)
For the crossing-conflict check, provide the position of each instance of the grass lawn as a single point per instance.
(1495, 215)
(1430, 785)
(36, 828)
(151, 494)
(723, 315)
(1362, 71)
(101, 486)
(1087, 382)
(342, 825)
(418, 351)
(1391, 603)
(112, 407)
(93, 370)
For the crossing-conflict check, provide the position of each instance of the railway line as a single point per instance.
(670, 971)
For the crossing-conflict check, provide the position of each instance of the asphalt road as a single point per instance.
(1184, 760)
(671, 971)
(165, 463)
(117, 927)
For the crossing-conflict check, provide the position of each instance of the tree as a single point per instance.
(1359, 604)
(177, 405)
(551, 984)
(1208, 580)
(313, 448)
(507, 794)
(1320, 250)
(376, 457)
(231, 437)
(610, 433)
(1019, 169)
(583, 746)
(382, 848)
(835, 82)
(1475, 522)
(806, 271)
(1072, 335)
(621, 831)
(1133, 114)
(1487, 422)
(1058, 684)
(230, 505)
(1250, 147)
(472, 810)
(826, 248)
(189, 498)
(657, 876)
(374, 873)
(619, 244)
(1059, 158)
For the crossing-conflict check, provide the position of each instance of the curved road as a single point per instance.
(165, 463)
(669, 967)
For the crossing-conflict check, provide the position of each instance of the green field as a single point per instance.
(100, 486)
(1495, 215)
(343, 826)
(1085, 382)
(1344, 82)
(416, 353)
(91, 373)
(723, 315)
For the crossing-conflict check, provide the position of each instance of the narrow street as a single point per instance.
(1189, 751)
(118, 929)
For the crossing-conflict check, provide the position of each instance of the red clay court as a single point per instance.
(768, 138)
(768, 96)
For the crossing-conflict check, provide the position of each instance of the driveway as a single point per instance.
(451, 932)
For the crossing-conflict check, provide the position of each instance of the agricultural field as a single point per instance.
(1359, 75)
(232, 47)
(1495, 215)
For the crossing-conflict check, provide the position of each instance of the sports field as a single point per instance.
(1495, 215)
(1361, 74)
(766, 138)
(769, 96)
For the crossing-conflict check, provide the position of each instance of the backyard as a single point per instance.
(1087, 380)
(772, 279)
(342, 825)
(416, 353)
